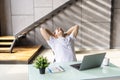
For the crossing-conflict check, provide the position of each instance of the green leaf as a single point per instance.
(41, 62)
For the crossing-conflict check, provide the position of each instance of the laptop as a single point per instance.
(90, 61)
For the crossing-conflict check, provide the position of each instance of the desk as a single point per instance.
(102, 73)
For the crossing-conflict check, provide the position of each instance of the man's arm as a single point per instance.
(46, 33)
(73, 30)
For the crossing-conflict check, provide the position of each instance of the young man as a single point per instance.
(62, 43)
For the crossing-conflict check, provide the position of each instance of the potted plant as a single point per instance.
(41, 63)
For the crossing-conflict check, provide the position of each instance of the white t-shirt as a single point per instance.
(63, 48)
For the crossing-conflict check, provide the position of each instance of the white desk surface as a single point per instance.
(110, 72)
(13, 72)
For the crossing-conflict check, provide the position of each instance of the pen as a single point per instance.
(57, 68)
(61, 68)
(49, 70)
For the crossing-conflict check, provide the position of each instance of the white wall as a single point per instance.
(93, 17)
(25, 12)
(17, 14)
(116, 25)
(5, 17)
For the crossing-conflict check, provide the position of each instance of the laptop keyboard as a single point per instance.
(76, 66)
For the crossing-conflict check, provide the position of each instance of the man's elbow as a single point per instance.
(76, 27)
(42, 29)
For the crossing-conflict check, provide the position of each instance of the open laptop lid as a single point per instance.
(92, 61)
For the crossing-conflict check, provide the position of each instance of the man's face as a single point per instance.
(59, 32)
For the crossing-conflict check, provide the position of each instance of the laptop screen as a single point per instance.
(91, 61)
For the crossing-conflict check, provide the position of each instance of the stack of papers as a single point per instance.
(55, 69)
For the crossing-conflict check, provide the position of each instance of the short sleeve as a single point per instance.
(51, 41)
(72, 36)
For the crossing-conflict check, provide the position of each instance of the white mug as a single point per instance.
(106, 61)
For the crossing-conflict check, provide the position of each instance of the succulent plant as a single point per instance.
(41, 62)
